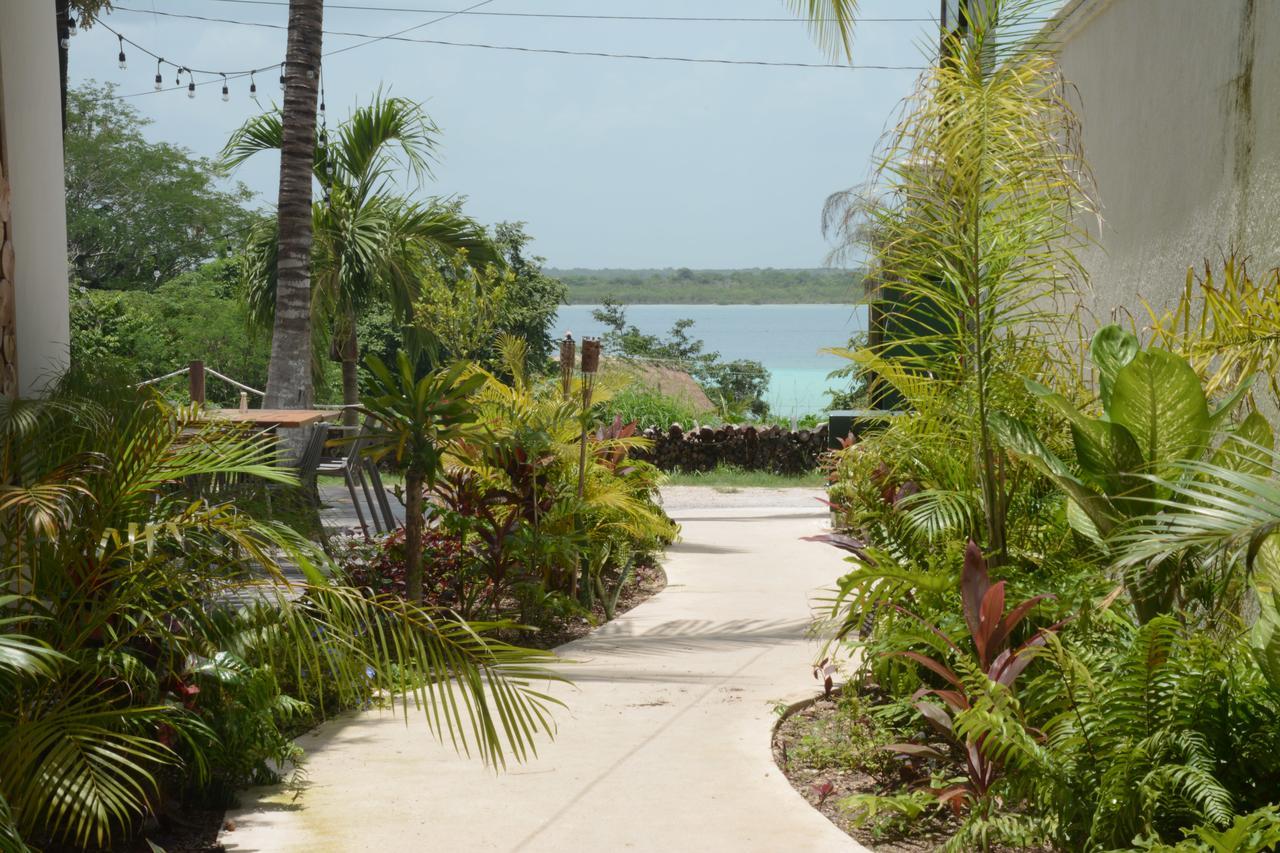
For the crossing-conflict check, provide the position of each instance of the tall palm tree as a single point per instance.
(370, 243)
(289, 371)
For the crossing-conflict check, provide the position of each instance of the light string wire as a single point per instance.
(217, 74)
(399, 35)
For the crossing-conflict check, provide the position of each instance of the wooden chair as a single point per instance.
(351, 466)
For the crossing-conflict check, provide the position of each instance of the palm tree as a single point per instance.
(370, 244)
(831, 22)
(119, 588)
(289, 371)
(985, 189)
(419, 417)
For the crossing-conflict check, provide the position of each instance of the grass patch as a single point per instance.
(729, 478)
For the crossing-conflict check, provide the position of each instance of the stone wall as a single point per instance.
(754, 449)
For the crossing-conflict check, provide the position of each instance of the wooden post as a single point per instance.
(195, 379)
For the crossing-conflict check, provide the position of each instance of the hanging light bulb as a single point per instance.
(191, 85)
(123, 63)
(159, 79)
(71, 26)
(64, 40)
(226, 93)
(281, 75)
(177, 78)
(253, 85)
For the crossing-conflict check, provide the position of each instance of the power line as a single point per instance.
(399, 37)
(792, 19)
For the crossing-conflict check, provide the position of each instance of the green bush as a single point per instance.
(648, 408)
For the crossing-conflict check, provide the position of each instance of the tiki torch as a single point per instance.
(590, 366)
(567, 352)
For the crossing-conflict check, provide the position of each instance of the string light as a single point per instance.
(191, 84)
(226, 93)
(123, 63)
(281, 75)
(71, 26)
(159, 79)
(253, 85)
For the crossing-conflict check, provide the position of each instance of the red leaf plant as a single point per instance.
(990, 628)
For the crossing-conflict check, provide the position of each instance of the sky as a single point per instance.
(610, 162)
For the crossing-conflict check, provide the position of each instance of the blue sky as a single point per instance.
(611, 162)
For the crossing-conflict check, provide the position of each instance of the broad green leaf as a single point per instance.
(1111, 350)
(1106, 452)
(1017, 438)
(1080, 522)
(1265, 636)
(1158, 398)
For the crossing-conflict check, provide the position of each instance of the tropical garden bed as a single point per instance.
(1063, 556)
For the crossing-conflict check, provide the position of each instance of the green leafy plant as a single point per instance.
(418, 417)
(1155, 417)
(991, 630)
(127, 554)
(975, 234)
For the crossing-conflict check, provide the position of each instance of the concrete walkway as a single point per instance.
(664, 745)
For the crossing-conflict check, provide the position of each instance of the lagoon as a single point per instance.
(785, 338)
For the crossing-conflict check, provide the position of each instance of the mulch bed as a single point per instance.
(929, 832)
(811, 782)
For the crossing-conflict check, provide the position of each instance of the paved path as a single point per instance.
(664, 745)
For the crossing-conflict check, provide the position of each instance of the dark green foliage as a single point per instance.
(140, 212)
(197, 315)
(534, 296)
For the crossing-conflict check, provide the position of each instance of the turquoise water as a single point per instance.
(785, 338)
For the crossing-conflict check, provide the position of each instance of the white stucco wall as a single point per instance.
(33, 140)
(1180, 101)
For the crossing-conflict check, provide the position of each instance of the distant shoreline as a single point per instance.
(711, 287)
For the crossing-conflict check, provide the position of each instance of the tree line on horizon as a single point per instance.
(710, 286)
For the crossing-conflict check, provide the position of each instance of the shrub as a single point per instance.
(648, 408)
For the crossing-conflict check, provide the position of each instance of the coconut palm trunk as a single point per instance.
(289, 371)
(349, 353)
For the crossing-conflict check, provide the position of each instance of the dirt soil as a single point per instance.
(810, 783)
(929, 832)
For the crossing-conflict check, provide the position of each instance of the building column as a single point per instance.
(34, 305)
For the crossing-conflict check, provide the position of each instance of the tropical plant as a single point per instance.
(976, 231)
(1159, 733)
(1155, 417)
(991, 629)
(1228, 327)
(128, 558)
(418, 417)
(370, 243)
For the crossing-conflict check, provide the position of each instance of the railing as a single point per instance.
(196, 371)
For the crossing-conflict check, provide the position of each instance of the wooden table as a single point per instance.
(273, 418)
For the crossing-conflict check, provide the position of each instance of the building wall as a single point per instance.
(37, 230)
(1180, 101)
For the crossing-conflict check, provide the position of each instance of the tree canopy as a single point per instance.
(140, 212)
